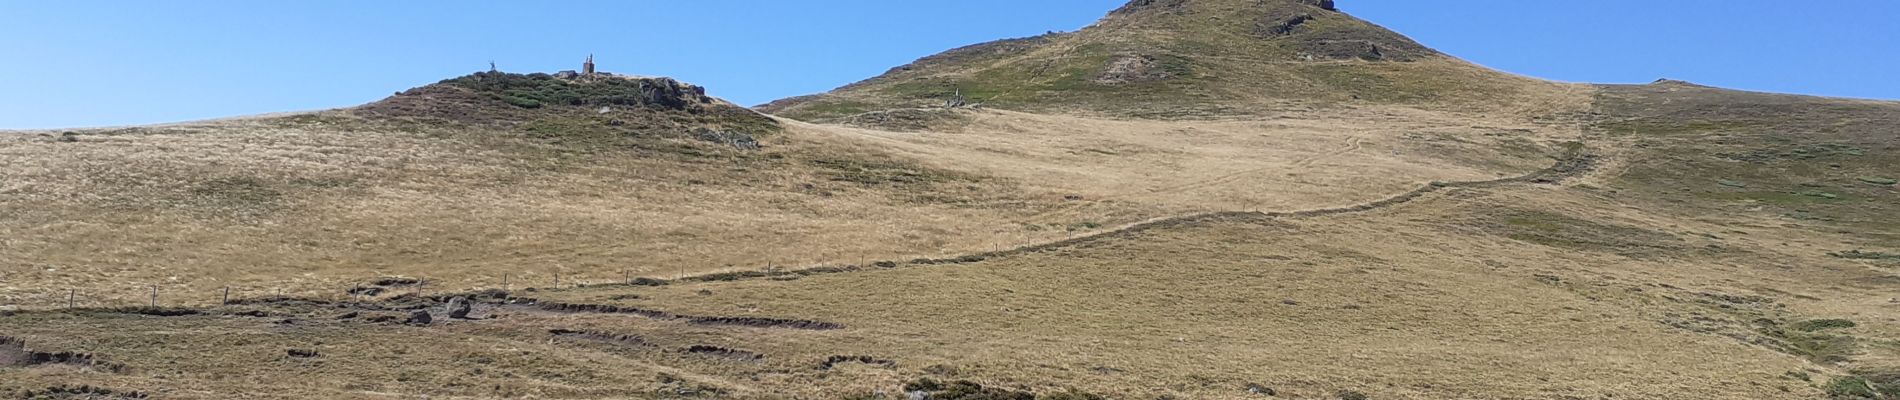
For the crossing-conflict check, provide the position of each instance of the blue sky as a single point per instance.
(91, 63)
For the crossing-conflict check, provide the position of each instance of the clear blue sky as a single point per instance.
(89, 63)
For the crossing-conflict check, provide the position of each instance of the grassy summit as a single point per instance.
(606, 101)
(1172, 58)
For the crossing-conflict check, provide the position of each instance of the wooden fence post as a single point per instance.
(72, 296)
(154, 296)
(227, 296)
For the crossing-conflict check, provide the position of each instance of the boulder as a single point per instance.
(1257, 389)
(420, 317)
(1322, 4)
(459, 307)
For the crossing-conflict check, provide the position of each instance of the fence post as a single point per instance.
(504, 282)
(227, 296)
(557, 279)
(72, 296)
(154, 296)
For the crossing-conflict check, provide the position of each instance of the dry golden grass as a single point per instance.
(313, 205)
(1454, 295)
(1657, 273)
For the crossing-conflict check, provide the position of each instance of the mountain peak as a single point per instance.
(623, 102)
(1163, 58)
(1137, 6)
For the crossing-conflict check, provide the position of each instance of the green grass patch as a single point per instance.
(1866, 255)
(1857, 387)
(1878, 180)
(870, 171)
(1659, 127)
(1779, 198)
(1822, 324)
(1557, 230)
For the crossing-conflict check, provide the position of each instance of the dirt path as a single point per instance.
(1575, 165)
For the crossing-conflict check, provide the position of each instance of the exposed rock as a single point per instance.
(737, 140)
(82, 392)
(1342, 50)
(1322, 4)
(13, 353)
(1255, 388)
(419, 317)
(459, 307)
(833, 361)
(1140, 5)
(1285, 26)
(1130, 68)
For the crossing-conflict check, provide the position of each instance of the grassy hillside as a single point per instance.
(455, 184)
(1186, 58)
(1191, 199)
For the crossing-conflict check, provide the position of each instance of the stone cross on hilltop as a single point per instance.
(587, 68)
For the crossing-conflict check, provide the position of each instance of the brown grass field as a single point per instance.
(1300, 230)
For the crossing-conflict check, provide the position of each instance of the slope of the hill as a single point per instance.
(496, 179)
(1587, 281)
(1187, 58)
(1348, 215)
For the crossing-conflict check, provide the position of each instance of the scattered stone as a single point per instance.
(347, 316)
(459, 307)
(833, 361)
(737, 140)
(82, 392)
(1131, 68)
(1255, 388)
(1289, 302)
(1285, 27)
(419, 317)
(705, 292)
(302, 353)
(1327, 5)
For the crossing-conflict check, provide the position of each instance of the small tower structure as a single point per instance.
(587, 68)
